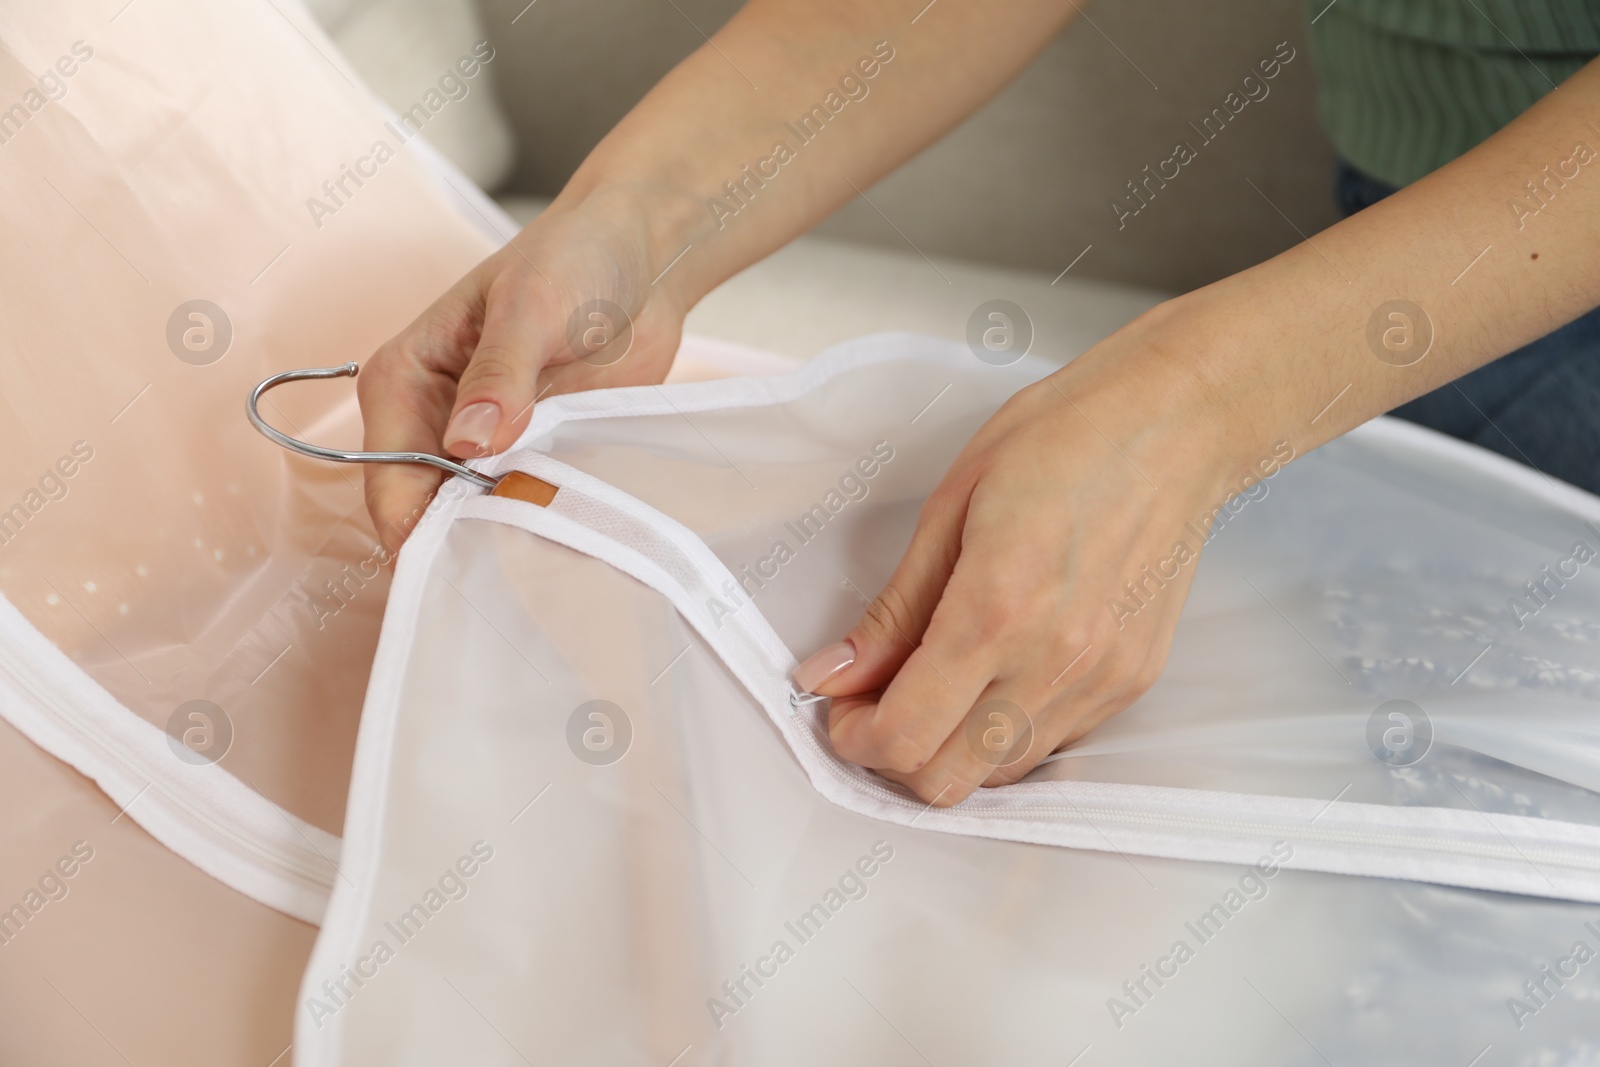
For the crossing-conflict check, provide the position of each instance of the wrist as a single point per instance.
(660, 219)
(1180, 389)
(1267, 351)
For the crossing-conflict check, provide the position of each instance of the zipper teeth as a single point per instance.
(282, 859)
(1578, 861)
(1570, 860)
(1575, 860)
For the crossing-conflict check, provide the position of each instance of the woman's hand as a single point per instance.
(568, 304)
(1049, 567)
(685, 181)
(1044, 580)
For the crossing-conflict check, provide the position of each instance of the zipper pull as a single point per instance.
(800, 700)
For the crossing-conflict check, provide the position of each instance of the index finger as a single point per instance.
(402, 412)
(930, 694)
(406, 391)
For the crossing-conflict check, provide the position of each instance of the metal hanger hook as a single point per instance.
(346, 370)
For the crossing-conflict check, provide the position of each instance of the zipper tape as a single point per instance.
(1468, 848)
(203, 813)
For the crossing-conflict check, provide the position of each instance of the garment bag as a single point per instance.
(591, 821)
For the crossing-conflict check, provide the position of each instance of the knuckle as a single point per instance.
(993, 619)
(378, 373)
(1111, 709)
(1149, 673)
(941, 790)
(939, 504)
(1014, 605)
(846, 747)
(1015, 772)
(1143, 679)
(395, 395)
(494, 367)
(888, 617)
(1115, 674)
(1029, 608)
(894, 747)
(903, 754)
(1075, 728)
(1078, 649)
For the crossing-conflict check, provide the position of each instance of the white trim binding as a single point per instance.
(203, 813)
(1477, 850)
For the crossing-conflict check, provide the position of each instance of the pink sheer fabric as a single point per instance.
(156, 159)
(145, 528)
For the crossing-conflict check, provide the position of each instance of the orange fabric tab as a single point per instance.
(519, 486)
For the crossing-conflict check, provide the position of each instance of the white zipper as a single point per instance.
(1428, 844)
(203, 813)
(1586, 861)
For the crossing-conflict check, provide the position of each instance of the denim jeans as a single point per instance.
(1539, 405)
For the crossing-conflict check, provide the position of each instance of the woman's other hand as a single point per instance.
(568, 304)
(1044, 580)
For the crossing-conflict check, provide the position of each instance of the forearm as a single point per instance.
(1300, 352)
(721, 116)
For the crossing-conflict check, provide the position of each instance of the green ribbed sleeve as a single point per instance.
(1409, 85)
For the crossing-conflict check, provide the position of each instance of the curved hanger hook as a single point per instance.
(347, 370)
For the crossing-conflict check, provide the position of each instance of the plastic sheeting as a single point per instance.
(588, 826)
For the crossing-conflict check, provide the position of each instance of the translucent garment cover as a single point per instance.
(157, 556)
(154, 550)
(589, 826)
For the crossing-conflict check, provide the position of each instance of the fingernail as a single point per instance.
(824, 665)
(470, 432)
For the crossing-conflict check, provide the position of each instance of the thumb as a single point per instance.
(892, 626)
(497, 389)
